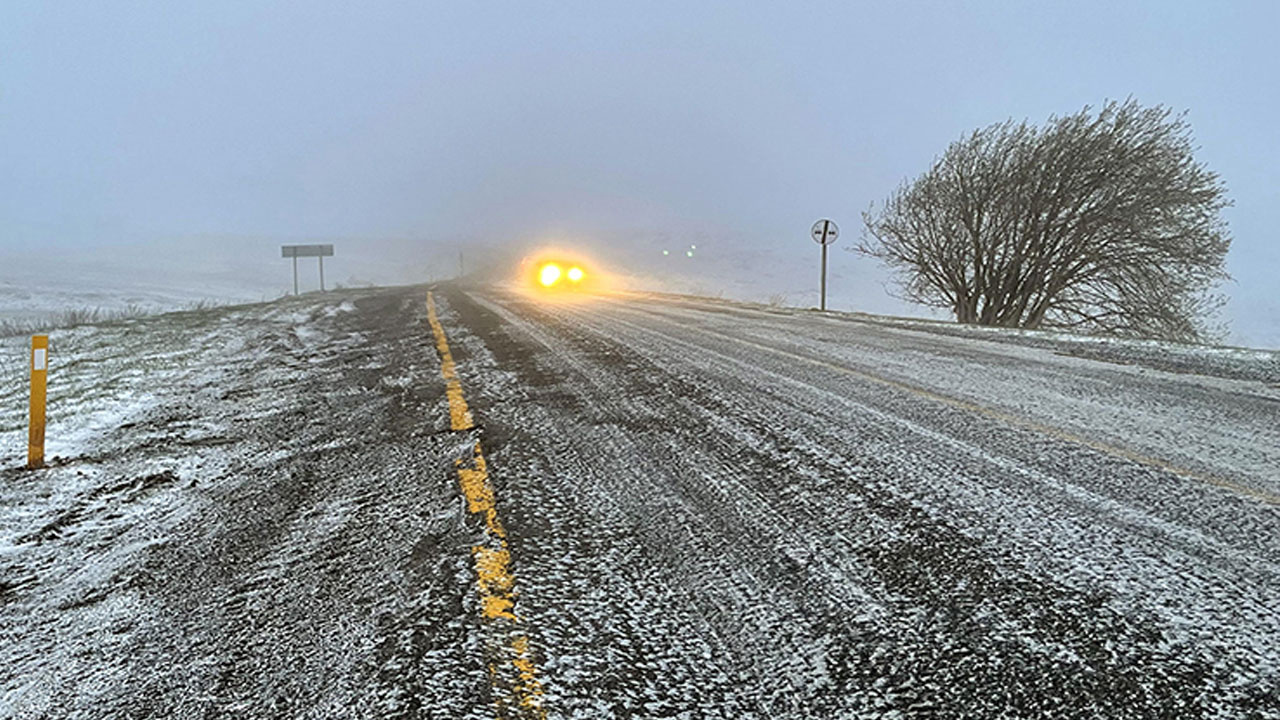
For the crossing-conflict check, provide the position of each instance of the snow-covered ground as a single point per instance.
(37, 284)
(212, 536)
(713, 509)
(165, 276)
(840, 518)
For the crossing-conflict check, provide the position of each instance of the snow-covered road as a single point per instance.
(729, 511)
(703, 509)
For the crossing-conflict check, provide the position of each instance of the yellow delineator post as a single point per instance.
(39, 377)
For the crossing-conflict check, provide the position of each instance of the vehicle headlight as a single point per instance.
(550, 274)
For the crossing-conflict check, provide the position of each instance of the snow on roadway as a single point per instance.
(714, 511)
(841, 546)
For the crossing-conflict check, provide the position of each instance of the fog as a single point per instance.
(176, 146)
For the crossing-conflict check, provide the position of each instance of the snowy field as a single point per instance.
(35, 285)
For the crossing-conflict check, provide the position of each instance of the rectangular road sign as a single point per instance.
(297, 251)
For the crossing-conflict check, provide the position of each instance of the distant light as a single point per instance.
(666, 252)
(693, 247)
(549, 274)
(689, 253)
(576, 274)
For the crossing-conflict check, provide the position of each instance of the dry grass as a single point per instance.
(76, 317)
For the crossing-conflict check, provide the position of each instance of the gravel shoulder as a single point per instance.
(251, 512)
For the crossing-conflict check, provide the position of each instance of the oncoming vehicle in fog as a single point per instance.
(558, 273)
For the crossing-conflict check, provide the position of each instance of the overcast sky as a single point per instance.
(626, 126)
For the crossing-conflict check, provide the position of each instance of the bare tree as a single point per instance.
(1101, 222)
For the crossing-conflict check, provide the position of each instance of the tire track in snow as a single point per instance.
(1055, 433)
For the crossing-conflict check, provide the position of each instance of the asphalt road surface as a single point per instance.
(632, 506)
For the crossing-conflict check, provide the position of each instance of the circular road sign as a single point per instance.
(824, 232)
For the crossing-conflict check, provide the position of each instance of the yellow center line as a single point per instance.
(459, 414)
(517, 692)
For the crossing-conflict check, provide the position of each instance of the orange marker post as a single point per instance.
(39, 377)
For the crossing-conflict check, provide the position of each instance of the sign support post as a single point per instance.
(320, 252)
(39, 379)
(824, 232)
(823, 305)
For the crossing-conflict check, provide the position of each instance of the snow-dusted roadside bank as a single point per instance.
(1215, 360)
(250, 512)
(1219, 361)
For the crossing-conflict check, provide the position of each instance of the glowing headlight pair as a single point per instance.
(551, 273)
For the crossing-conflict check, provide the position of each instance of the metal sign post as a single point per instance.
(824, 232)
(316, 251)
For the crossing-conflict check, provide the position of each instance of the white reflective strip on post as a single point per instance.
(39, 359)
